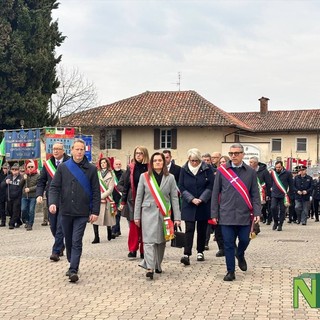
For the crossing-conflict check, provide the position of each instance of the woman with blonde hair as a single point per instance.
(131, 178)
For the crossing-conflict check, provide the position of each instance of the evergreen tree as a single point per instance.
(28, 38)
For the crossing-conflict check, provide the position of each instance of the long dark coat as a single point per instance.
(196, 186)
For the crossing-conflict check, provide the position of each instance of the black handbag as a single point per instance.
(179, 238)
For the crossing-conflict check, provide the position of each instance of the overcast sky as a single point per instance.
(230, 52)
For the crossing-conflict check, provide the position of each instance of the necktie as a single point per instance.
(57, 163)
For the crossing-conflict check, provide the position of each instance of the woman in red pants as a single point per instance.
(131, 177)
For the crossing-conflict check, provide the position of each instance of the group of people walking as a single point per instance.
(210, 193)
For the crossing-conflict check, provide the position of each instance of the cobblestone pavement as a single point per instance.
(113, 287)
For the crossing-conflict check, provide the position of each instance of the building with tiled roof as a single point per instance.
(180, 120)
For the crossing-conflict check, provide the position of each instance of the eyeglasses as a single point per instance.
(194, 160)
(234, 153)
(139, 153)
(29, 167)
(57, 149)
(14, 169)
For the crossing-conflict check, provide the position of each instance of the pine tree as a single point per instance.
(28, 38)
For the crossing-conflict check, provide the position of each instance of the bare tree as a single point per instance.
(74, 94)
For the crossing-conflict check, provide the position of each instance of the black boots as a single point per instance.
(96, 234)
(110, 234)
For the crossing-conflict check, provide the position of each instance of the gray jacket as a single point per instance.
(146, 208)
(228, 205)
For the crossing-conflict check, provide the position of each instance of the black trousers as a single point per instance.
(14, 211)
(3, 211)
(201, 236)
(316, 208)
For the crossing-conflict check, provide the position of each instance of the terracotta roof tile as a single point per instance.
(294, 120)
(157, 109)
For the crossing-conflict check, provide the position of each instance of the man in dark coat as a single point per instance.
(173, 169)
(282, 187)
(116, 195)
(303, 186)
(264, 184)
(3, 173)
(316, 196)
(233, 209)
(75, 189)
(13, 189)
(47, 173)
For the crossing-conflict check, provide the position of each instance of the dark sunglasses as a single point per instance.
(234, 153)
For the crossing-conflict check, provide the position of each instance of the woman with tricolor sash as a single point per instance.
(156, 193)
(108, 209)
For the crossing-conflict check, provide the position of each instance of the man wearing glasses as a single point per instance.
(28, 202)
(235, 205)
(46, 176)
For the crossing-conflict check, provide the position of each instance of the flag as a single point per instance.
(2, 150)
(3, 147)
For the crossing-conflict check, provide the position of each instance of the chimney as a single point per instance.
(263, 105)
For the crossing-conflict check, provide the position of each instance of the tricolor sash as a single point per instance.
(104, 188)
(262, 190)
(164, 207)
(280, 186)
(238, 184)
(116, 181)
(51, 169)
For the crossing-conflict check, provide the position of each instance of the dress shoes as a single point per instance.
(11, 227)
(73, 277)
(2, 224)
(279, 227)
(206, 248)
(220, 253)
(275, 226)
(242, 263)
(149, 274)
(132, 254)
(185, 260)
(55, 257)
(158, 271)
(44, 224)
(230, 276)
(61, 251)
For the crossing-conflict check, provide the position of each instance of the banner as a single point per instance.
(88, 141)
(293, 162)
(64, 135)
(22, 144)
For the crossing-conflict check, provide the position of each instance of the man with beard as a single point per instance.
(282, 187)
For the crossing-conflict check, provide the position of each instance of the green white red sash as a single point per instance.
(238, 184)
(104, 188)
(116, 181)
(164, 207)
(281, 187)
(51, 169)
(262, 190)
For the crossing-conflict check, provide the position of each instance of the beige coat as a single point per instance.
(105, 217)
